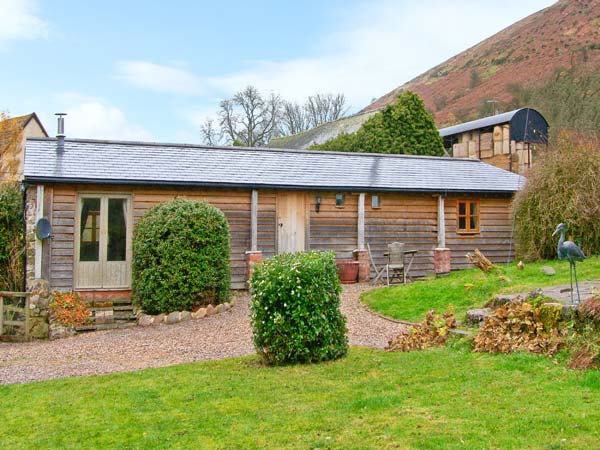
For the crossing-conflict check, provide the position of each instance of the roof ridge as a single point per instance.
(260, 149)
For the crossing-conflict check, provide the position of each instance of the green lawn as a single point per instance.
(442, 398)
(412, 301)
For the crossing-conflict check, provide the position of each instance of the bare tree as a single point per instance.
(209, 132)
(294, 119)
(248, 118)
(322, 108)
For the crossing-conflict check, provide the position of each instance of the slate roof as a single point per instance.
(116, 162)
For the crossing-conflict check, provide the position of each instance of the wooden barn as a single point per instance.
(92, 193)
(510, 140)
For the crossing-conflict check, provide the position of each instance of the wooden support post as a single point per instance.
(1, 315)
(254, 221)
(361, 221)
(441, 223)
(39, 213)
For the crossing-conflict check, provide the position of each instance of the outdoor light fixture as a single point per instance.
(318, 203)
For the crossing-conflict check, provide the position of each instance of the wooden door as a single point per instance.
(103, 242)
(291, 222)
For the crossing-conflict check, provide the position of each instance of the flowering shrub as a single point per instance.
(68, 309)
(295, 305)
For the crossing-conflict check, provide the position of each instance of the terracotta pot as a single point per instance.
(348, 271)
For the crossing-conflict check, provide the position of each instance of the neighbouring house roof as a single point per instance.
(526, 124)
(322, 133)
(140, 163)
(23, 121)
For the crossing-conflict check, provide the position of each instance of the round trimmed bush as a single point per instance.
(295, 307)
(180, 257)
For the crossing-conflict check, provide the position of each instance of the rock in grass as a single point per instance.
(477, 316)
(547, 270)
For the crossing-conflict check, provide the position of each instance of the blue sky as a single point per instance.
(149, 70)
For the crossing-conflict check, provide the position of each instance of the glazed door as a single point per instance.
(103, 247)
(291, 222)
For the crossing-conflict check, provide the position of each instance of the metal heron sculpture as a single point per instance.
(571, 252)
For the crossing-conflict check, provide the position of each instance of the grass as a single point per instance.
(443, 398)
(466, 289)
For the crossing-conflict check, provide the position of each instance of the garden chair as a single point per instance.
(395, 266)
(378, 270)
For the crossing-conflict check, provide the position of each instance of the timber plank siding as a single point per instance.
(408, 218)
(495, 231)
(404, 217)
(333, 228)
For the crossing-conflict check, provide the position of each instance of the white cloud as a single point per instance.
(90, 117)
(18, 20)
(160, 78)
(381, 46)
(375, 47)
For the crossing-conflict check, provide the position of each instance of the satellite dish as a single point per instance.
(43, 229)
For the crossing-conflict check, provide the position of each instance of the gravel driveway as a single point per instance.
(221, 336)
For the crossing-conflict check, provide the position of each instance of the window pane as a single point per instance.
(462, 208)
(473, 223)
(117, 230)
(89, 233)
(462, 223)
(473, 209)
(375, 201)
(339, 199)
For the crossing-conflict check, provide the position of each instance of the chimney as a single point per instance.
(60, 135)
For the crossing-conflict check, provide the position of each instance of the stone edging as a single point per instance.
(146, 320)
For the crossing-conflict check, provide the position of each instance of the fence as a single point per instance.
(14, 315)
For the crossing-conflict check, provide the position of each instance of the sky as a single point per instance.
(155, 70)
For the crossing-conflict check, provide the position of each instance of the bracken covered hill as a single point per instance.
(566, 34)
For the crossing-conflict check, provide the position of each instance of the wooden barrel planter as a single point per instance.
(347, 271)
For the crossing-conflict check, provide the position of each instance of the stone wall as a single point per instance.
(39, 301)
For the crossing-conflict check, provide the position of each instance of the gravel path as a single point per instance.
(221, 336)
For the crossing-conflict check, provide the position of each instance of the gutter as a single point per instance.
(88, 181)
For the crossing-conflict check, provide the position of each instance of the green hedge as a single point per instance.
(11, 237)
(295, 309)
(180, 257)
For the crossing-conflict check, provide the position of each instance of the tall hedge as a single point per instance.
(180, 257)
(563, 186)
(405, 127)
(295, 307)
(11, 237)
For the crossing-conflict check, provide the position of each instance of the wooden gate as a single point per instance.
(14, 313)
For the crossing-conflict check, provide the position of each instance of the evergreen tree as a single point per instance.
(405, 127)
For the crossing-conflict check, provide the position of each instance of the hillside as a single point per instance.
(566, 34)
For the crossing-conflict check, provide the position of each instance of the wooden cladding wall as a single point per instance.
(408, 218)
(62, 200)
(495, 231)
(333, 228)
(235, 204)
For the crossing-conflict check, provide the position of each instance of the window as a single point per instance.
(339, 200)
(375, 201)
(468, 216)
